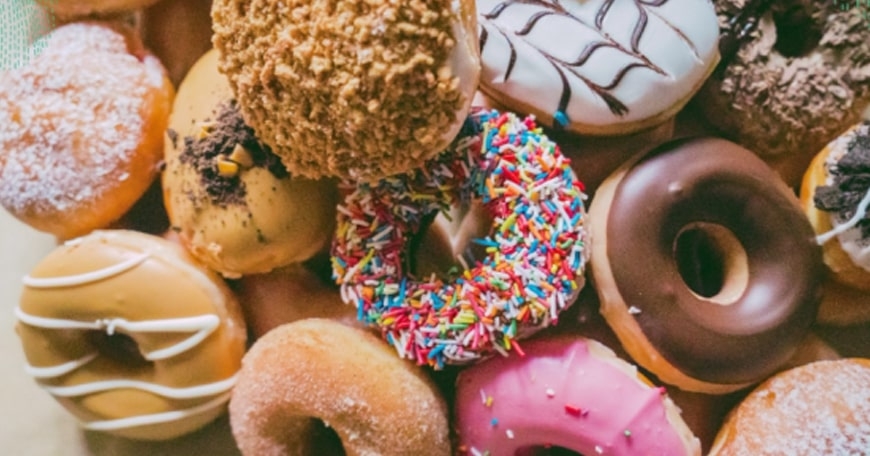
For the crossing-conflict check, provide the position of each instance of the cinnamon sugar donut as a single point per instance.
(130, 335)
(81, 127)
(357, 89)
(796, 81)
(818, 408)
(317, 372)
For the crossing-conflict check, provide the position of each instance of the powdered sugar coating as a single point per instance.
(72, 119)
(819, 408)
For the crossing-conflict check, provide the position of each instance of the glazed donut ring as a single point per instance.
(82, 143)
(796, 83)
(358, 89)
(629, 65)
(121, 354)
(729, 264)
(569, 392)
(535, 250)
(818, 408)
(345, 377)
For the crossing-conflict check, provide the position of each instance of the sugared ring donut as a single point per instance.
(535, 252)
(701, 255)
(568, 392)
(301, 376)
(794, 83)
(818, 408)
(81, 127)
(130, 335)
(628, 66)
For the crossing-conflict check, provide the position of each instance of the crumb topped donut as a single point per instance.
(627, 66)
(232, 202)
(130, 335)
(356, 89)
(81, 129)
(794, 83)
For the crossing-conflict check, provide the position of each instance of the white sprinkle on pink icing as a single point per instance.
(71, 119)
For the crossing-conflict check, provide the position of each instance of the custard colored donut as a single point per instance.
(358, 89)
(535, 246)
(835, 195)
(321, 370)
(566, 392)
(82, 142)
(71, 9)
(818, 408)
(130, 335)
(628, 65)
(234, 205)
(701, 255)
(794, 82)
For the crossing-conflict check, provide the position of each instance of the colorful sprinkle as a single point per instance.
(536, 249)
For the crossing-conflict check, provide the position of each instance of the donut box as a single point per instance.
(648, 264)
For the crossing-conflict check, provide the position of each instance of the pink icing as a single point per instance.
(560, 394)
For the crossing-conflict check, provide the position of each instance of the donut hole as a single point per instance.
(119, 347)
(711, 262)
(797, 34)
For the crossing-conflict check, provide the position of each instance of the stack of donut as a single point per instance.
(440, 227)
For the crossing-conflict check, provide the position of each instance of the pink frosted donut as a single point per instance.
(567, 392)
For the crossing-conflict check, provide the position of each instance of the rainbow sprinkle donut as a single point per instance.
(536, 249)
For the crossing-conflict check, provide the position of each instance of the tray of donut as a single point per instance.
(627, 227)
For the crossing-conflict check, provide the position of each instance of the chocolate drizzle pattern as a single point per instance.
(574, 67)
(850, 182)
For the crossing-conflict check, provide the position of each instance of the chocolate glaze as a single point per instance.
(714, 181)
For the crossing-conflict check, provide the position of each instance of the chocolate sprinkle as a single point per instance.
(173, 136)
(850, 181)
(228, 130)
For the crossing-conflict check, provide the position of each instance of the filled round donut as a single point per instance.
(81, 127)
(130, 335)
(535, 250)
(312, 373)
(628, 66)
(701, 255)
(355, 89)
(566, 392)
(817, 408)
(792, 78)
(835, 195)
(232, 202)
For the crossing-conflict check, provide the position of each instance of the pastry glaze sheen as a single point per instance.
(628, 65)
(187, 334)
(571, 393)
(722, 184)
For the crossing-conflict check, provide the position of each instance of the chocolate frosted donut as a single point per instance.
(794, 82)
(705, 265)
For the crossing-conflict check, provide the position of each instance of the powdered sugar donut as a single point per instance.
(628, 65)
(535, 251)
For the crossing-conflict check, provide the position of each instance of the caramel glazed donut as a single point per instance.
(794, 77)
(151, 362)
(735, 263)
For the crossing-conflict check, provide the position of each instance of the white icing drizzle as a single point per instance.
(156, 418)
(87, 277)
(61, 369)
(625, 61)
(840, 228)
(201, 325)
(190, 392)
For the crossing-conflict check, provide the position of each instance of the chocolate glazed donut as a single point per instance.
(705, 265)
